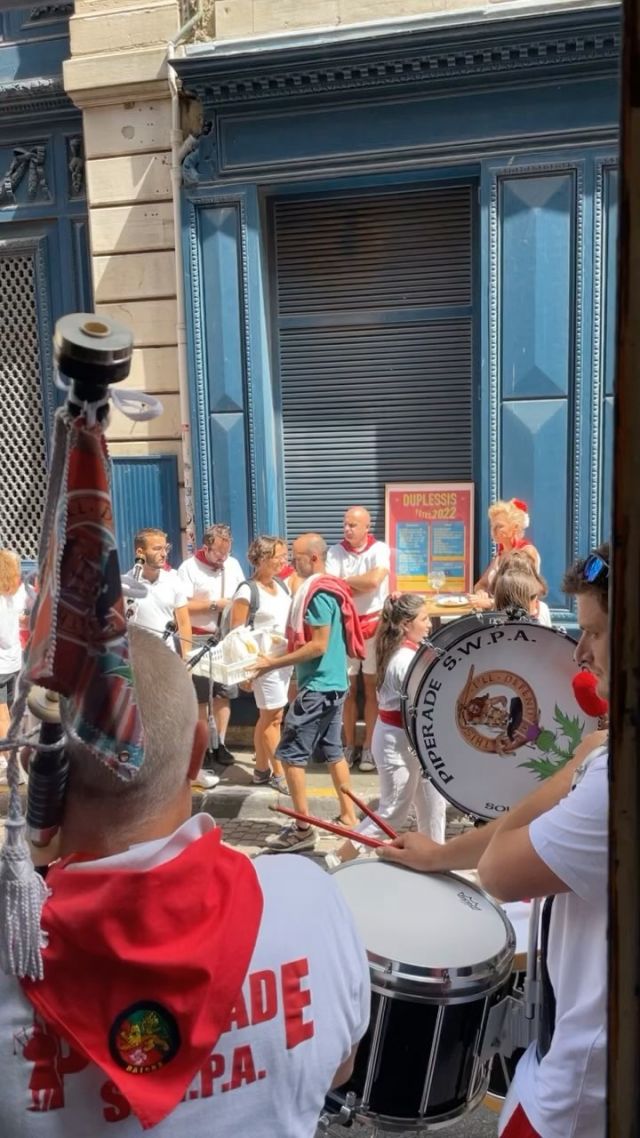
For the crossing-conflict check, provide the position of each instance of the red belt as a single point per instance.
(391, 718)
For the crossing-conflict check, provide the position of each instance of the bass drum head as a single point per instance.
(493, 712)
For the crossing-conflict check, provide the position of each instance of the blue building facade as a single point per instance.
(44, 260)
(496, 140)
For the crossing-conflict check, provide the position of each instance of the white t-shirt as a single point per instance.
(11, 609)
(199, 579)
(544, 615)
(343, 563)
(164, 596)
(305, 920)
(390, 693)
(273, 611)
(564, 1095)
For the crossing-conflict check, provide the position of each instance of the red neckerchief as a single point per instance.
(143, 967)
(201, 556)
(519, 543)
(371, 540)
(406, 643)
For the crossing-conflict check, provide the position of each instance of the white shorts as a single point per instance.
(272, 691)
(368, 665)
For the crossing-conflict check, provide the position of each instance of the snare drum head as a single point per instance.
(424, 921)
(494, 712)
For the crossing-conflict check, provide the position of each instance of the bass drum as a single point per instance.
(440, 956)
(489, 709)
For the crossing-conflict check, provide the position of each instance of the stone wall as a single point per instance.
(235, 18)
(117, 75)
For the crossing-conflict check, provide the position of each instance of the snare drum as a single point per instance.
(489, 708)
(440, 955)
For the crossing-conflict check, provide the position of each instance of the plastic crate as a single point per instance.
(214, 667)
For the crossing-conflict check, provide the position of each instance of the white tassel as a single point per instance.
(22, 890)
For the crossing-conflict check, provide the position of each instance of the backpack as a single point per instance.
(254, 605)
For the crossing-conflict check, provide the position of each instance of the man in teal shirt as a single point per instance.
(313, 722)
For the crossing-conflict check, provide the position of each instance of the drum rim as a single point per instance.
(426, 984)
(496, 618)
(394, 1123)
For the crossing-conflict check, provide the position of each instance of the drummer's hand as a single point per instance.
(415, 851)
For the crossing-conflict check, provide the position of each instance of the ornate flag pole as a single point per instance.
(78, 645)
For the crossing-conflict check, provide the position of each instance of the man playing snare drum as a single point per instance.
(554, 844)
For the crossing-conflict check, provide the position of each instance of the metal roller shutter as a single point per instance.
(375, 347)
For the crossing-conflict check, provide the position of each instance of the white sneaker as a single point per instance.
(205, 780)
(349, 754)
(366, 760)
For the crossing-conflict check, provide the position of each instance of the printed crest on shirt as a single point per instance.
(144, 1037)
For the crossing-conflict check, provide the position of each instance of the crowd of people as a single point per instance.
(152, 876)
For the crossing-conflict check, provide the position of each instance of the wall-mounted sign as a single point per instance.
(429, 527)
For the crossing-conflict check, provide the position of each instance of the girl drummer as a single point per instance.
(404, 623)
(508, 520)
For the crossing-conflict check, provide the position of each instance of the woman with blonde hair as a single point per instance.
(404, 623)
(264, 602)
(509, 521)
(13, 604)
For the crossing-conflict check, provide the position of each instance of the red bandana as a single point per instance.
(143, 967)
(370, 540)
(201, 556)
(519, 543)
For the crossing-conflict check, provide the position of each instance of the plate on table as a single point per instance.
(452, 602)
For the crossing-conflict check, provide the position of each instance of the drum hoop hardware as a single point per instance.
(375, 1043)
(343, 1117)
(391, 1123)
(508, 1028)
(477, 1051)
(428, 1080)
(477, 988)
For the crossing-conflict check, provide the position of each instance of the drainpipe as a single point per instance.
(181, 334)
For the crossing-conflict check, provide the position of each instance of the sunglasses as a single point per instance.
(595, 569)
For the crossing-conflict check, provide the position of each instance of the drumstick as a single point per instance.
(382, 825)
(330, 826)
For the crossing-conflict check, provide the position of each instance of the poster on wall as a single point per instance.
(429, 528)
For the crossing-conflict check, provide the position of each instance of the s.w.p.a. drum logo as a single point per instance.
(497, 711)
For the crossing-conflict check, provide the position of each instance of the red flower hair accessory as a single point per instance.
(520, 505)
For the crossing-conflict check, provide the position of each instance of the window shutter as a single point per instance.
(375, 347)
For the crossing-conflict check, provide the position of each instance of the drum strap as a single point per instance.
(548, 999)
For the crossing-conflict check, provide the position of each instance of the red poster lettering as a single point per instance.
(212, 1070)
(118, 1108)
(296, 999)
(242, 1068)
(264, 996)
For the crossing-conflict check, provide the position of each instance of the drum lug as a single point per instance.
(344, 1117)
(508, 1028)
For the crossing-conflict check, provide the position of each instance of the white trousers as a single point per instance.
(402, 786)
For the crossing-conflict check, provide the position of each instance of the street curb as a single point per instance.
(256, 804)
(242, 803)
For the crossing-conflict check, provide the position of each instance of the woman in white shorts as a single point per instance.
(267, 555)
